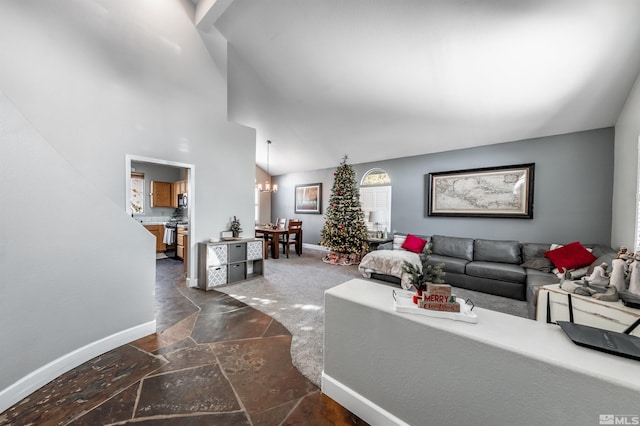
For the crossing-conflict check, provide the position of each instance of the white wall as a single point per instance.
(91, 82)
(626, 171)
(504, 370)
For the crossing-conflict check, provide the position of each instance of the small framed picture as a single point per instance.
(308, 198)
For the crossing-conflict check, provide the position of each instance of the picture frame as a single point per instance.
(496, 192)
(308, 198)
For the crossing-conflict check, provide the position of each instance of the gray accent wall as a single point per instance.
(572, 190)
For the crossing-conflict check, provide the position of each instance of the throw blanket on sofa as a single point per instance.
(389, 262)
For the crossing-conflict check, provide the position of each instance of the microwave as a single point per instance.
(182, 200)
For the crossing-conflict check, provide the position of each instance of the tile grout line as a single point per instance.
(224, 373)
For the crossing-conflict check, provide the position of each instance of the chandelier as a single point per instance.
(267, 184)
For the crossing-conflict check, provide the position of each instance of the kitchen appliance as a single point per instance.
(171, 236)
(183, 200)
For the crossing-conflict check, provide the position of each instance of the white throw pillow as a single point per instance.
(398, 241)
(576, 274)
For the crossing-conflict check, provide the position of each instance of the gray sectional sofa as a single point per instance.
(504, 268)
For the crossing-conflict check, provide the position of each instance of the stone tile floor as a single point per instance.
(213, 361)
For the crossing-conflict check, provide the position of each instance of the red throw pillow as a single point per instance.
(414, 244)
(570, 256)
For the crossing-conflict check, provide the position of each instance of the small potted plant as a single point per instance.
(235, 227)
(427, 274)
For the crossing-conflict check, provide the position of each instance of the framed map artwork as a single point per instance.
(505, 191)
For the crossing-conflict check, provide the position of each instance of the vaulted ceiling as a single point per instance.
(379, 79)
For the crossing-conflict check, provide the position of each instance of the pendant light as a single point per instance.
(267, 184)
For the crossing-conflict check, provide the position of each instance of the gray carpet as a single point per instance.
(292, 292)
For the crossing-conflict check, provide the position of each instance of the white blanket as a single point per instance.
(389, 262)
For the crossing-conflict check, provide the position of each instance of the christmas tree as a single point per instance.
(344, 232)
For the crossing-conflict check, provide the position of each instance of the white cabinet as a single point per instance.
(228, 261)
(254, 250)
(613, 316)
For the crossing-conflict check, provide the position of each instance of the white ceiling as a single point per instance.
(379, 79)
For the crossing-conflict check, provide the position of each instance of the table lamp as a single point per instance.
(376, 216)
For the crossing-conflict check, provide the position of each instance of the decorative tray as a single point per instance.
(403, 302)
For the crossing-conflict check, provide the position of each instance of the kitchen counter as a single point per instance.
(159, 222)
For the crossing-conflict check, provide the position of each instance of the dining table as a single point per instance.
(273, 234)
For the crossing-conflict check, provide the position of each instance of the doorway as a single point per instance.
(170, 171)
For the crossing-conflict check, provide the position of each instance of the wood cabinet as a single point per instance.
(161, 194)
(158, 231)
(185, 257)
(178, 187)
(174, 194)
(181, 186)
(229, 261)
(165, 194)
(181, 243)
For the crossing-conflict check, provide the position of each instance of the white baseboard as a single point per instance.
(43, 375)
(358, 404)
(192, 282)
(314, 247)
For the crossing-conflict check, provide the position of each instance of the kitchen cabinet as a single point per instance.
(182, 186)
(229, 261)
(158, 232)
(181, 242)
(185, 257)
(178, 187)
(161, 194)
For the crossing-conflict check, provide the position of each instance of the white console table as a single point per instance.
(612, 316)
(394, 368)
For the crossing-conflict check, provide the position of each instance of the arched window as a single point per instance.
(375, 177)
(375, 199)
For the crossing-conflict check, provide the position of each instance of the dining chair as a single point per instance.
(281, 224)
(266, 245)
(293, 237)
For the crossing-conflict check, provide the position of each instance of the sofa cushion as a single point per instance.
(570, 256)
(605, 258)
(534, 251)
(452, 246)
(539, 263)
(600, 250)
(497, 251)
(414, 244)
(497, 271)
(536, 279)
(451, 264)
